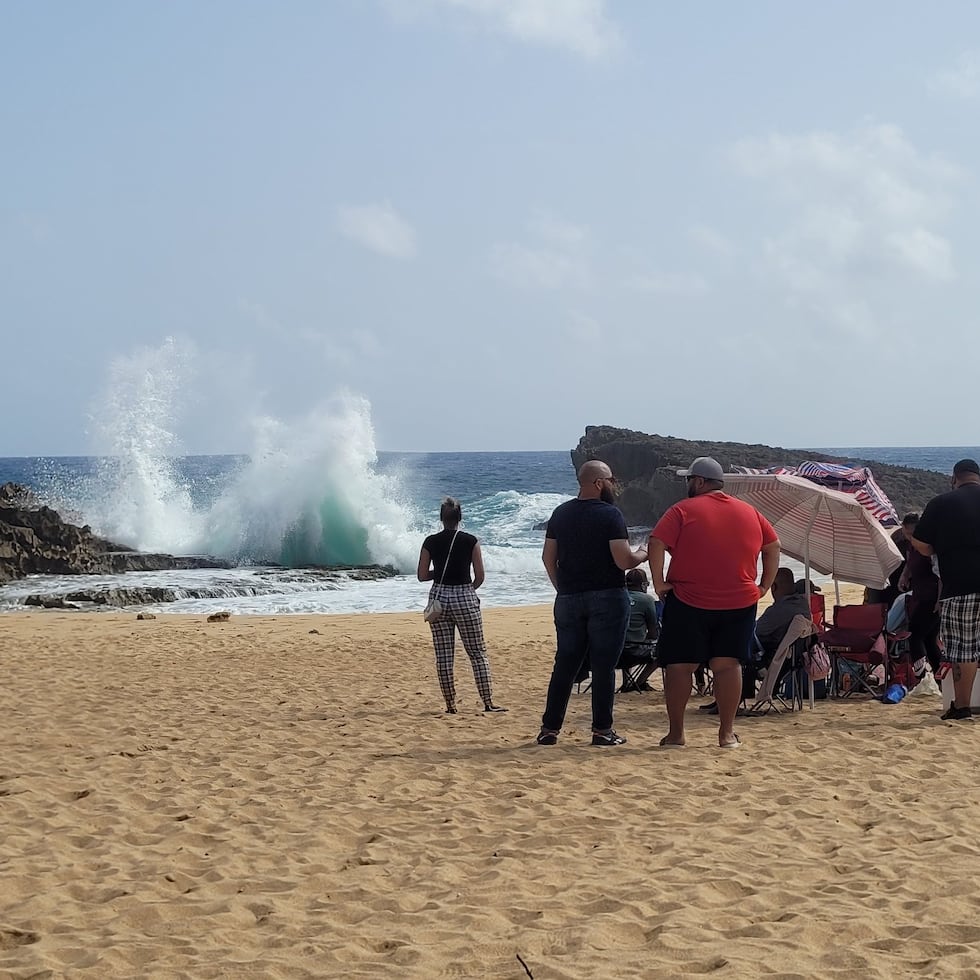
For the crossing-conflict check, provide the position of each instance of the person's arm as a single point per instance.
(650, 617)
(770, 565)
(478, 572)
(624, 556)
(656, 552)
(550, 558)
(775, 619)
(927, 528)
(922, 548)
(425, 573)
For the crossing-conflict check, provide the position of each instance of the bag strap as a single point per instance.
(448, 553)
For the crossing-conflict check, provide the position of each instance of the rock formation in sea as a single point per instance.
(646, 467)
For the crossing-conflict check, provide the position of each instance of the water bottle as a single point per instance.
(895, 693)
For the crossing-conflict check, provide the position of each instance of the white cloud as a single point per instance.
(583, 330)
(924, 252)
(579, 26)
(555, 257)
(260, 317)
(668, 283)
(852, 214)
(541, 267)
(351, 347)
(710, 240)
(961, 79)
(877, 168)
(561, 233)
(379, 228)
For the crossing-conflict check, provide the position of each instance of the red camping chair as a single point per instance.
(818, 611)
(856, 639)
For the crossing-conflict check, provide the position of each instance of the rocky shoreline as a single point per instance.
(269, 583)
(35, 540)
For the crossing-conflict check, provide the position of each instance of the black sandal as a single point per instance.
(493, 707)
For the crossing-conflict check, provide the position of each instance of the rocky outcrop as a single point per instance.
(35, 540)
(646, 468)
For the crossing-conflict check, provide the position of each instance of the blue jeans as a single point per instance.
(589, 624)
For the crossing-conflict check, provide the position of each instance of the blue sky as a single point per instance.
(497, 221)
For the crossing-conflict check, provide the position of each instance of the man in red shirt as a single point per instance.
(710, 593)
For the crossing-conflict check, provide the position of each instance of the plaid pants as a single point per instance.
(460, 610)
(959, 628)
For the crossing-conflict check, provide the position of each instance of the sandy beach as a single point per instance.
(284, 797)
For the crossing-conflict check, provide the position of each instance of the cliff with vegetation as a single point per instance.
(646, 467)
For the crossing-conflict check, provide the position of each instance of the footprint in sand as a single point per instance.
(11, 938)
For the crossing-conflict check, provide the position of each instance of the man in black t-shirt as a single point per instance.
(586, 552)
(950, 529)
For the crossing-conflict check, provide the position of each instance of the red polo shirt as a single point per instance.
(714, 542)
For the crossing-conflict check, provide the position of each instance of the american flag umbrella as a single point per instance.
(829, 531)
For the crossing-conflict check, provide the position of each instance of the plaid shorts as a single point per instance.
(959, 628)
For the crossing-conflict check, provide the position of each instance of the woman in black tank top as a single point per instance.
(453, 562)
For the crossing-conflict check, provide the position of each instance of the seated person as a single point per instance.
(787, 604)
(771, 627)
(642, 631)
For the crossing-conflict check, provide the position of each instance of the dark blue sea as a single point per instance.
(274, 512)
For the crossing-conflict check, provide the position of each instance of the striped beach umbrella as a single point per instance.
(857, 480)
(831, 532)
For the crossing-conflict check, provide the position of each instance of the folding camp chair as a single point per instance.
(857, 645)
(799, 630)
(818, 611)
(634, 660)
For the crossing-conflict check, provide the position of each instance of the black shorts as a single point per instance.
(689, 635)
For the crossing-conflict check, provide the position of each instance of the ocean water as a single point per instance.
(320, 495)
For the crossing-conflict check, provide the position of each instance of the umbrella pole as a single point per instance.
(806, 573)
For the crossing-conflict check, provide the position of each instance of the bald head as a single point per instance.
(592, 470)
(595, 480)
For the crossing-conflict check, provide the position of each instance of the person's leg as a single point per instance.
(608, 617)
(677, 691)
(680, 651)
(572, 635)
(924, 636)
(961, 638)
(931, 643)
(443, 640)
(728, 693)
(643, 677)
(730, 640)
(964, 674)
(470, 623)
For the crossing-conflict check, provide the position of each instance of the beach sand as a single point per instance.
(284, 797)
